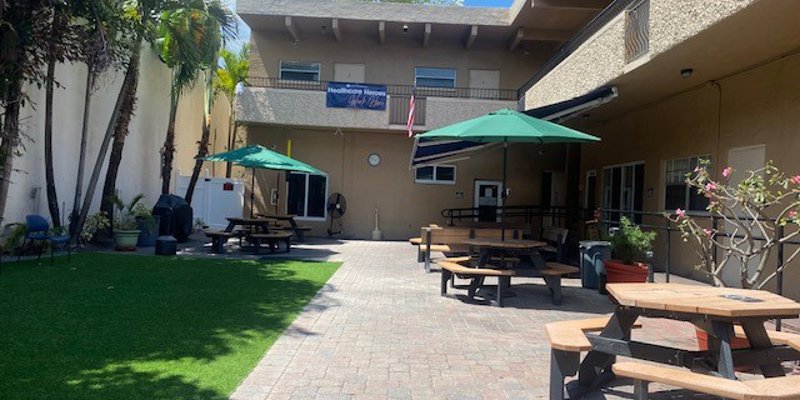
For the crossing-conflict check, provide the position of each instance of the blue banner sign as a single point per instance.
(356, 95)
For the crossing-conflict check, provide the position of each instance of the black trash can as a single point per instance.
(176, 215)
(593, 253)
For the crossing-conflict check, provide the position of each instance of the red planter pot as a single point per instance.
(737, 343)
(617, 272)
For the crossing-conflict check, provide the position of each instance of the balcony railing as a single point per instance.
(399, 107)
(637, 30)
(393, 90)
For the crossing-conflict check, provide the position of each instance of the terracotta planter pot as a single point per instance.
(617, 272)
(737, 343)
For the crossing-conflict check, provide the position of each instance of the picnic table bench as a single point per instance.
(716, 311)
(452, 268)
(458, 267)
(450, 240)
(273, 239)
(299, 230)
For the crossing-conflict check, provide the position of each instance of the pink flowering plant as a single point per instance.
(753, 214)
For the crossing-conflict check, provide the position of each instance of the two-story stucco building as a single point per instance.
(464, 62)
(696, 79)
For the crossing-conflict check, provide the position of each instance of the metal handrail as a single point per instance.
(393, 90)
(526, 212)
(595, 25)
(669, 227)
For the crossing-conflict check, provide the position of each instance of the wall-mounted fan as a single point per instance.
(337, 205)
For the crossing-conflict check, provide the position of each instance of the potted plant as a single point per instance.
(94, 223)
(147, 223)
(755, 214)
(126, 232)
(629, 247)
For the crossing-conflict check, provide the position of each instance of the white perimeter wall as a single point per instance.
(139, 172)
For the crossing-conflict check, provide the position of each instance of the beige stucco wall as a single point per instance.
(394, 62)
(403, 205)
(760, 106)
(601, 59)
(139, 172)
(308, 108)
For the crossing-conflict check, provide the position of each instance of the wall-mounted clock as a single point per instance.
(374, 159)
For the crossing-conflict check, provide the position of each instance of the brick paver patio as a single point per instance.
(380, 330)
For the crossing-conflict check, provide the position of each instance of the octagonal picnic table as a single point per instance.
(488, 248)
(713, 309)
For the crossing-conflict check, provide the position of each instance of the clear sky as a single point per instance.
(488, 3)
(244, 31)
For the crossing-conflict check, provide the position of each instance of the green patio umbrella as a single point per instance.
(508, 126)
(257, 156)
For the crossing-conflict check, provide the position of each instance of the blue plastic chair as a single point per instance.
(38, 230)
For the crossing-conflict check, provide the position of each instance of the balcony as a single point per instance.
(302, 103)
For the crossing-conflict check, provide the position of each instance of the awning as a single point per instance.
(428, 152)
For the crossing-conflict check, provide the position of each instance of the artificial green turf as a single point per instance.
(112, 326)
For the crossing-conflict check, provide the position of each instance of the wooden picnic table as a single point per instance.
(249, 223)
(715, 310)
(290, 218)
(490, 248)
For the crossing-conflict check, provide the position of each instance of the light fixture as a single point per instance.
(686, 72)
(405, 28)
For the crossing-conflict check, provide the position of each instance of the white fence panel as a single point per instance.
(215, 199)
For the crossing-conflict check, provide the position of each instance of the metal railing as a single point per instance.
(399, 107)
(394, 90)
(523, 213)
(610, 218)
(637, 30)
(592, 27)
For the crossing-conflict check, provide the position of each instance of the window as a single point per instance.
(300, 71)
(435, 77)
(306, 195)
(677, 194)
(436, 174)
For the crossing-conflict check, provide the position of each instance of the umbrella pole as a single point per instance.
(504, 191)
(252, 191)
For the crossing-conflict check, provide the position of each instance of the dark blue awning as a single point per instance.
(427, 152)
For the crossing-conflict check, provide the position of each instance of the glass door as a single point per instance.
(623, 191)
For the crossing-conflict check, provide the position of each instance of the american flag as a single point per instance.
(411, 110)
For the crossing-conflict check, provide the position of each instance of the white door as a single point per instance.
(487, 199)
(349, 73)
(742, 160)
(483, 83)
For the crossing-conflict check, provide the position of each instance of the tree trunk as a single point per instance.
(115, 159)
(13, 103)
(231, 140)
(202, 151)
(49, 174)
(168, 151)
(128, 85)
(87, 106)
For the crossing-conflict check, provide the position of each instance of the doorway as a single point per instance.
(590, 202)
(742, 160)
(623, 190)
(487, 200)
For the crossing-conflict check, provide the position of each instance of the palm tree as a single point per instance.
(235, 70)
(144, 17)
(25, 35)
(202, 144)
(187, 40)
